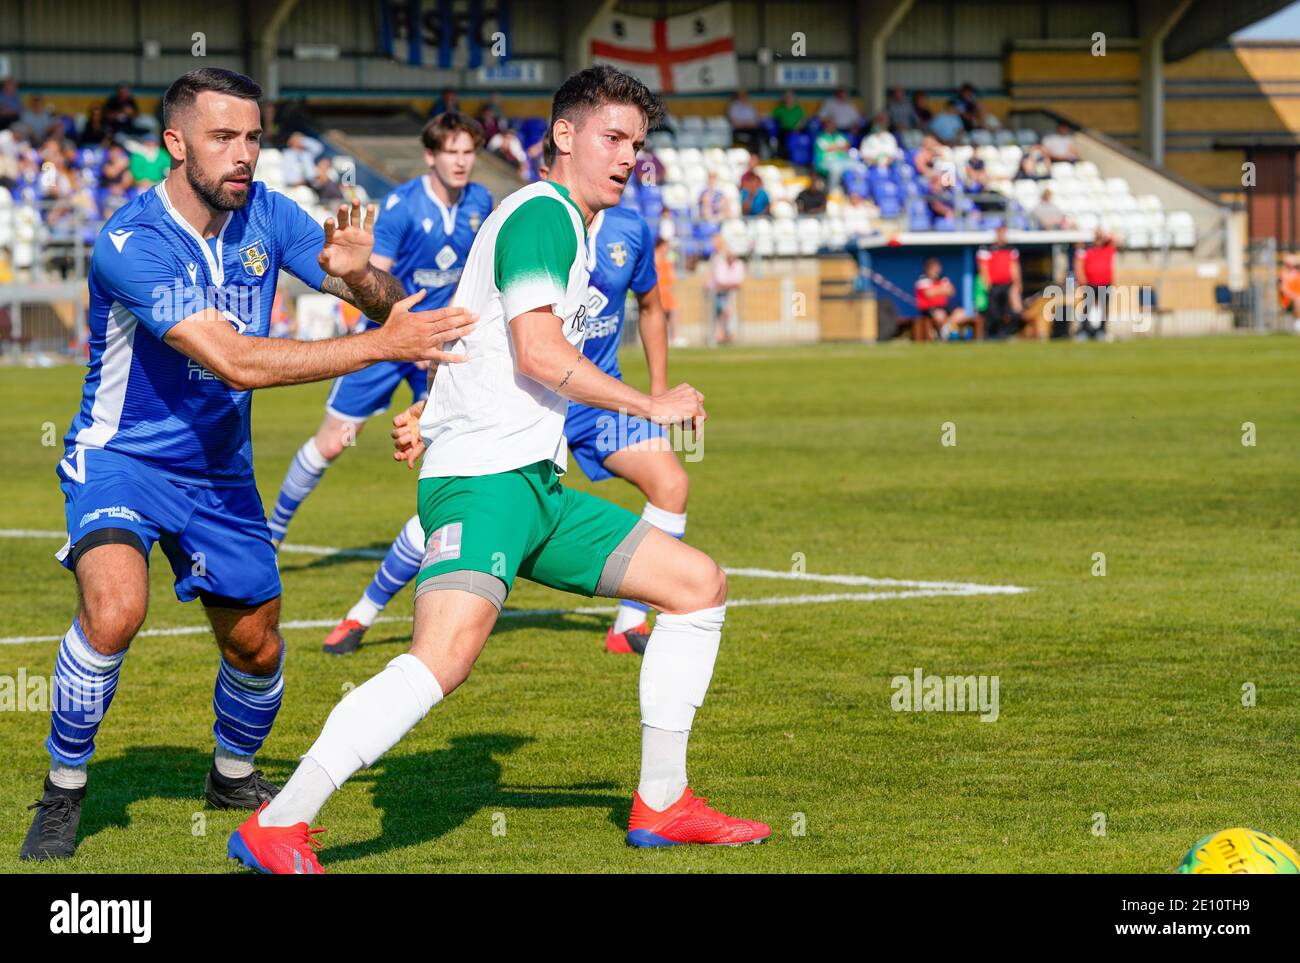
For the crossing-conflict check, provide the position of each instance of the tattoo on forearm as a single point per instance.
(581, 359)
(375, 296)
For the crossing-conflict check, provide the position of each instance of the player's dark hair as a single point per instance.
(442, 128)
(187, 87)
(597, 86)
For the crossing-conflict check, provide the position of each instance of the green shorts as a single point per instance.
(483, 530)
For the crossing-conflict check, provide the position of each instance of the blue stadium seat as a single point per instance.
(531, 130)
(799, 145)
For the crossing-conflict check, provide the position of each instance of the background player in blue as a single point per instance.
(182, 281)
(620, 256)
(424, 234)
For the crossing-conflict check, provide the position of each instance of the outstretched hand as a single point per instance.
(349, 239)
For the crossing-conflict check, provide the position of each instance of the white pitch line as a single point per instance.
(916, 589)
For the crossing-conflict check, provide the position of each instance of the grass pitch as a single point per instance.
(1120, 694)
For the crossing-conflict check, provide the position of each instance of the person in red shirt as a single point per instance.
(934, 293)
(1094, 269)
(999, 267)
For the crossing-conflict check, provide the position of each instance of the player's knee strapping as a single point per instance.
(678, 665)
(246, 706)
(304, 474)
(370, 719)
(84, 683)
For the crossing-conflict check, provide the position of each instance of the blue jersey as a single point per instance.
(620, 256)
(427, 240)
(151, 269)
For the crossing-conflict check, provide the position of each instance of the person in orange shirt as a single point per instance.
(667, 291)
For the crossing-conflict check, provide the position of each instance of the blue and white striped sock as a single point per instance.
(84, 683)
(631, 614)
(304, 474)
(400, 565)
(245, 706)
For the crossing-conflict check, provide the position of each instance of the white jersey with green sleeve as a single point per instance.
(483, 416)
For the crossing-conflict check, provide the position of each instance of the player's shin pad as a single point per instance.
(370, 719)
(678, 665)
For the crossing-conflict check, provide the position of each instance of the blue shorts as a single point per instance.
(594, 434)
(358, 396)
(216, 539)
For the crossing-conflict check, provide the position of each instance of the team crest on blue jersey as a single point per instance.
(618, 253)
(255, 258)
(474, 221)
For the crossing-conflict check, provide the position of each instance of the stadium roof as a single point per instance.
(1208, 23)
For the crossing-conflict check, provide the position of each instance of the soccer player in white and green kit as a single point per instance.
(493, 508)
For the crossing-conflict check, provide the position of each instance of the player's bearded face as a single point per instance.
(222, 189)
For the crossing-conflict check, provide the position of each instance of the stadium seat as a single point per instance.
(1025, 137)
(799, 145)
(809, 230)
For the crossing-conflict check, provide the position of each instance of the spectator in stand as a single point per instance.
(789, 116)
(1048, 216)
(934, 294)
(927, 158)
(323, 183)
(712, 202)
(449, 102)
(840, 113)
(122, 113)
(999, 268)
(942, 199)
(1035, 165)
(505, 143)
(901, 113)
(1059, 146)
(753, 198)
(667, 274)
(489, 118)
(116, 172)
(11, 104)
(831, 155)
(1094, 268)
(667, 226)
(969, 107)
(977, 176)
(880, 148)
(37, 120)
(812, 199)
(726, 276)
(298, 159)
(948, 127)
(94, 131)
(746, 125)
(921, 107)
(149, 162)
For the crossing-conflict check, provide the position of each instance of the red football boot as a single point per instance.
(631, 641)
(345, 638)
(689, 820)
(275, 849)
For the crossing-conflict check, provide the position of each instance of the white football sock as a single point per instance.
(232, 765)
(630, 615)
(301, 798)
(663, 767)
(366, 723)
(675, 674)
(68, 777)
(670, 523)
(365, 611)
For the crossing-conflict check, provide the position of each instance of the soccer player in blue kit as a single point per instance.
(182, 282)
(425, 230)
(620, 256)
